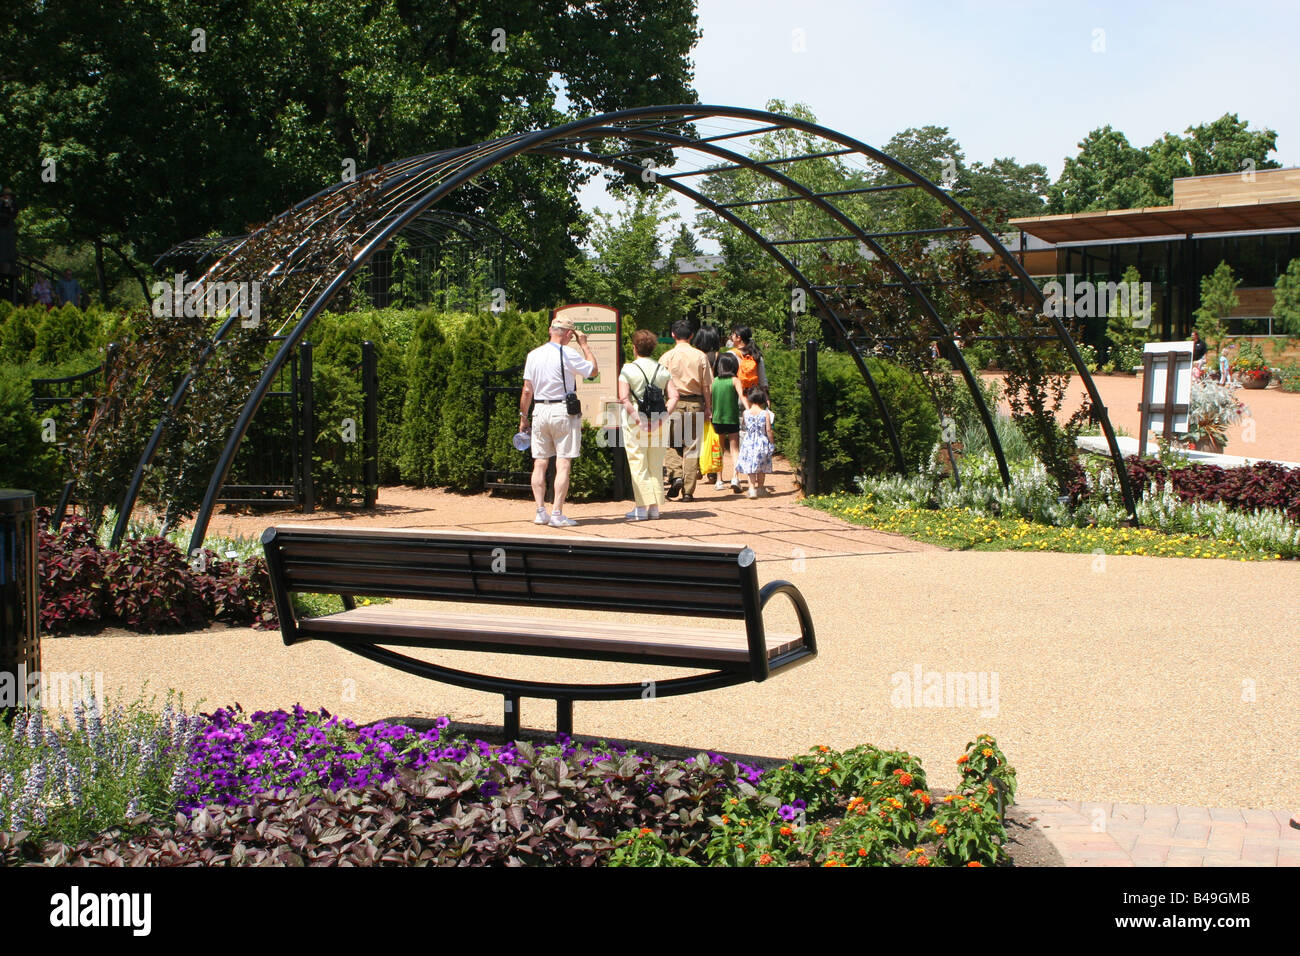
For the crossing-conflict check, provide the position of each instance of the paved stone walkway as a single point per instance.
(1125, 834)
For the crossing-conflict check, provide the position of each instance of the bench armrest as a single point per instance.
(806, 631)
(760, 666)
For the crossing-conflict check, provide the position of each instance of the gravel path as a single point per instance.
(1110, 686)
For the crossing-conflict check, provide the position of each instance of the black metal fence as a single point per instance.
(504, 470)
(276, 463)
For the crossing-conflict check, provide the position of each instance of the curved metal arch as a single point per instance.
(785, 263)
(227, 246)
(857, 232)
(475, 160)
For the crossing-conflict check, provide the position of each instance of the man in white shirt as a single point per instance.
(551, 372)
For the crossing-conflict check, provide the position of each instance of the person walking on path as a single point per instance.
(43, 292)
(644, 437)
(726, 415)
(689, 368)
(756, 443)
(752, 372)
(551, 374)
(68, 289)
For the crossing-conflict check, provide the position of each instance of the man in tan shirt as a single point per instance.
(691, 374)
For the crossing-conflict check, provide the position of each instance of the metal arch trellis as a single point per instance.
(431, 223)
(325, 239)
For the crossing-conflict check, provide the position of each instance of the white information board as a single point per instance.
(1168, 358)
(1166, 390)
(603, 327)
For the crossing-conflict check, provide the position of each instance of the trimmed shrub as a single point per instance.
(852, 439)
(337, 357)
(18, 333)
(592, 474)
(428, 363)
(458, 454)
(65, 332)
(26, 461)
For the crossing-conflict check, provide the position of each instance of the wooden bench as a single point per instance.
(553, 571)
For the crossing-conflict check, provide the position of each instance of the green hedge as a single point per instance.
(852, 439)
(26, 461)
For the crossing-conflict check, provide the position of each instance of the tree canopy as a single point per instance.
(167, 119)
(1111, 173)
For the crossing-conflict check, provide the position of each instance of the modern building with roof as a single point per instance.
(1251, 220)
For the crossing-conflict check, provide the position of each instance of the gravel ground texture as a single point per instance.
(1106, 681)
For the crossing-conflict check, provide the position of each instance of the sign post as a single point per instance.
(1166, 390)
(603, 326)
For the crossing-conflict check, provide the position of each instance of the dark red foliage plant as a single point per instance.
(1264, 484)
(70, 575)
(146, 585)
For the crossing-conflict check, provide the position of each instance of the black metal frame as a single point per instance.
(412, 188)
(496, 479)
(810, 417)
(752, 600)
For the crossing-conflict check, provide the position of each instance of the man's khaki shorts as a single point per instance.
(555, 431)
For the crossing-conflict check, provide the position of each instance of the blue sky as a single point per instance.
(1020, 78)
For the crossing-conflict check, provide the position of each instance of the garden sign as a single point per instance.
(1166, 390)
(603, 327)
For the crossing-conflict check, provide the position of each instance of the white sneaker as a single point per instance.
(652, 511)
(720, 486)
(636, 514)
(752, 493)
(560, 521)
(542, 517)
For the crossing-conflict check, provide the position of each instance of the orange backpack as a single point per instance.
(748, 371)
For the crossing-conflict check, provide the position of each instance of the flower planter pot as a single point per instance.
(1256, 381)
(1210, 445)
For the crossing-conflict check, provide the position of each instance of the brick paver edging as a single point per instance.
(1129, 834)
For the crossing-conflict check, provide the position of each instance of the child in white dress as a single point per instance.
(756, 441)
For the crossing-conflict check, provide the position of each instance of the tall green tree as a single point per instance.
(622, 269)
(1218, 299)
(1129, 321)
(166, 119)
(684, 245)
(1110, 173)
(1004, 190)
(1286, 299)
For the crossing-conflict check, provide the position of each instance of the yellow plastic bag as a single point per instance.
(710, 451)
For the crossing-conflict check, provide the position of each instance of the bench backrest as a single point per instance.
(529, 570)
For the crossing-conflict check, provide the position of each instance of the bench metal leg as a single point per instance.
(564, 717)
(512, 717)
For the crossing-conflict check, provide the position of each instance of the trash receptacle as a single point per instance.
(20, 648)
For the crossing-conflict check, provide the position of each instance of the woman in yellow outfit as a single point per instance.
(645, 441)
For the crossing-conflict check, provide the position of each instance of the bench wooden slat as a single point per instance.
(418, 626)
(683, 598)
(530, 572)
